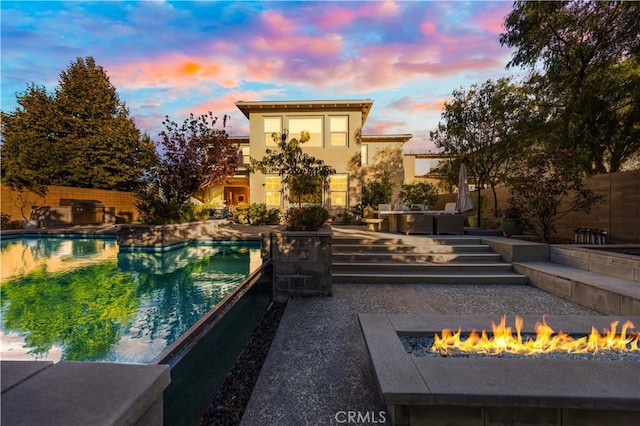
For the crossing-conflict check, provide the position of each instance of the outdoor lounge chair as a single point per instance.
(449, 222)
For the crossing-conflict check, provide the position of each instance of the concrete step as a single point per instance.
(355, 256)
(602, 293)
(420, 268)
(506, 278)
(404, 248)
(407, 240)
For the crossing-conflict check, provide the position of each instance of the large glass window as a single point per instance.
(272, 189)
(313, 125)
(271, 125)
(338, 130)
(338, 186)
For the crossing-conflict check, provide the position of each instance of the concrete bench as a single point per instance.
(373, 225)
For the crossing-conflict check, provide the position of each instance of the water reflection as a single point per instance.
(105, 306)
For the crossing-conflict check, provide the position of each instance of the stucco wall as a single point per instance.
(122, 201)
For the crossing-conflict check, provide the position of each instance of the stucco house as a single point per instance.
(337, 137)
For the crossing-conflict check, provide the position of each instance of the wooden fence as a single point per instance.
(618, 214)
(122, 201)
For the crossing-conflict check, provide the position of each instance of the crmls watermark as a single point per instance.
(360, 417)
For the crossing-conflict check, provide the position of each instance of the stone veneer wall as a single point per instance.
(162, 237)
(301, 262)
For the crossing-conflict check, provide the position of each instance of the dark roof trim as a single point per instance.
(364, 105)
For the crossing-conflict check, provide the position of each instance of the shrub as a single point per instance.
(260, 215)
(418, 193)
(7, 223)
(241, 213)
(378, 190)
(308, 218)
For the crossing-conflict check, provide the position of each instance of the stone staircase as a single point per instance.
(390, 259)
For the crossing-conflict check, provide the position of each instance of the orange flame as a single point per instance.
(546, 340)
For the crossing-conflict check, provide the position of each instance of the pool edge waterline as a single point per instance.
(177, 350)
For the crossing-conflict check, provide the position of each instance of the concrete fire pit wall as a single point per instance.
(161, 237)
(301, 262)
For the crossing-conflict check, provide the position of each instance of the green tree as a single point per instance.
(194, 155)
(301, 174)
(302, 177)
(81, 135)
(546, 186)
(589, 77)
(418, 193)
(487, 126)
(377, 190)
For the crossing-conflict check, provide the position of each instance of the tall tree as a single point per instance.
(485, 125)
(81, 135)
(586, 49)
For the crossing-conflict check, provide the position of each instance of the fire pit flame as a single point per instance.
(546, 340)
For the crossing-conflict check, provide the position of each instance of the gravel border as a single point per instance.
(229, 403)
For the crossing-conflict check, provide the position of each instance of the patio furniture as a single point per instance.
(449, 224)
(385, 224)
(415, 223)
(373, 224)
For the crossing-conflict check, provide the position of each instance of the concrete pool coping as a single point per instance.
(77, 393)
(404, 380)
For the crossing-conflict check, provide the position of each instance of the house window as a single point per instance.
(364, 155)
(271, 125)
(338, 185)
(338, 128)
(272, 189)
(313, 125)
(246, 157)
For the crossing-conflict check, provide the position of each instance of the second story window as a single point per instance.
(338, 130)
(313, 125)
(271, 125)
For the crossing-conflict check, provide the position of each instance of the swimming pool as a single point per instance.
(79, 299)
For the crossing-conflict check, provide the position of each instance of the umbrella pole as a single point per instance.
(479, 215)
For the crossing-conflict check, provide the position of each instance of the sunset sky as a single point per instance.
(176, 57)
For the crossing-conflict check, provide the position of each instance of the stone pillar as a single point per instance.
(301, 262)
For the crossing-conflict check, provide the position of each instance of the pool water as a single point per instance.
(79, 299)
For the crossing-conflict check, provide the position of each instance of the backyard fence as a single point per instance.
(123, 202)
(618, 214)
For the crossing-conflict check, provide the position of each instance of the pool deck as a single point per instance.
(318, 369)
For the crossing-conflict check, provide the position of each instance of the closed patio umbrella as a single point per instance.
(464, 197)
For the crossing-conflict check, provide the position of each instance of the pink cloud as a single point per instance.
(277, 23)
(492, 18)
(428, 28)
(335, 16)
(174, 70)
(408, 104)
(330, 44)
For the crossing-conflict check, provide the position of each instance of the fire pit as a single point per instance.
(499, 391)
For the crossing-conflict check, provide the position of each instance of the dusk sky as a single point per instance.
(177, 57)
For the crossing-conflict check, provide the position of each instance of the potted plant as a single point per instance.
(513, 222)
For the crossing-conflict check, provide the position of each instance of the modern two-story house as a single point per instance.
(337, 138)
